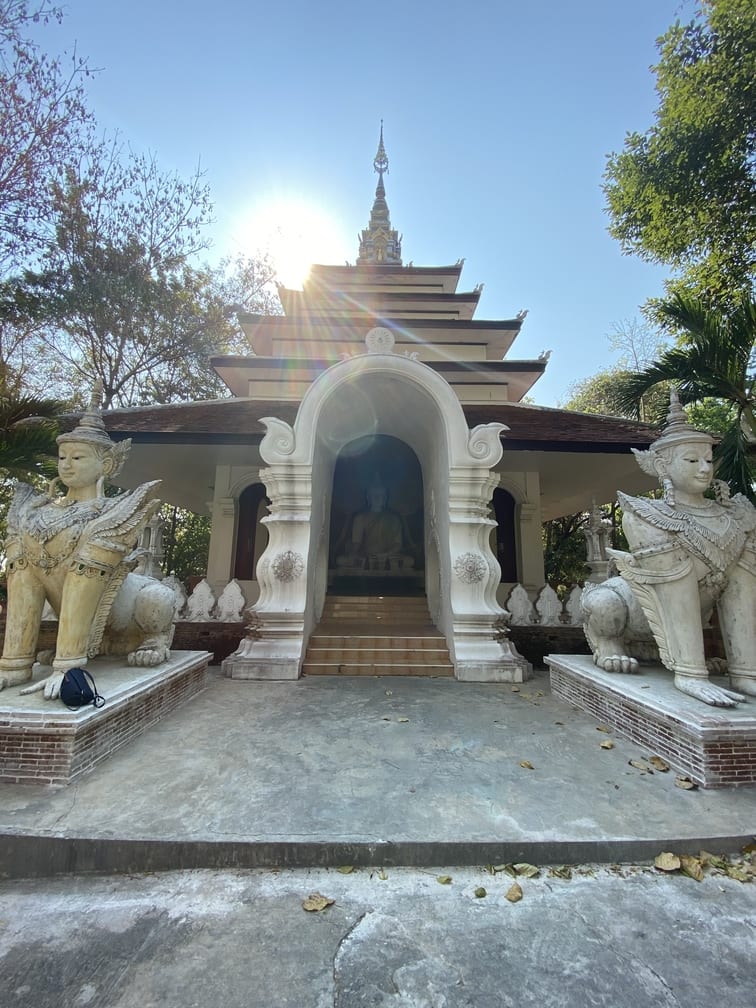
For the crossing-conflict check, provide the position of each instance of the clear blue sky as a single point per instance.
(498, 116)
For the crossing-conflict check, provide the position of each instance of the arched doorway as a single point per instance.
(251, 536)
(506, 546)
(376, 524)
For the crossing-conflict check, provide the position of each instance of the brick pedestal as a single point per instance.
(42, 742)
(714, 746)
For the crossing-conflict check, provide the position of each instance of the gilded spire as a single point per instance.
(379, 243)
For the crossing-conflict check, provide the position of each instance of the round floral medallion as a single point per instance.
(470, 567)
(287, 566)
(380, 340)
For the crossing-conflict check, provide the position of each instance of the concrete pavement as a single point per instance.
(175, 873)
(396, 939)
(371, 771)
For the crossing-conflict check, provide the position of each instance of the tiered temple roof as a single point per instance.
(329, 318)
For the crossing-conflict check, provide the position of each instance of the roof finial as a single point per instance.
(381, 162)
(379, 243)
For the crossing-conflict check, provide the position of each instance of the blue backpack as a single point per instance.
(78, 689)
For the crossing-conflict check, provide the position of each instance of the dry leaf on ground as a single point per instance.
(528, 870)
(345, 869)
(685, 783)
(607, 744)
(561, 871)
(444, 879)
(514, 893)
(640, 765)
(667, 861)
(691, 866)
(659, 764)
(316, 901)
(526, 764)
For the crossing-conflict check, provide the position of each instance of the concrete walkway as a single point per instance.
(362, 775)
(366, 771)
(398, 939)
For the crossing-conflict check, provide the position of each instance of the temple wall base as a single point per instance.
(255, 666)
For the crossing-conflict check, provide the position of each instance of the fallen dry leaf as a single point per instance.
(602, 727)
(738, 873)
(659, 764)
(526, 764)
(667, 861)
(692, 867)
(606, 744)
(316, 902)
(709, 860)
(403, 720)
(685, 783)
(345, 869)
(444, 879)
(640, 765)
(527, 870)
(514, 893)
(562, 871)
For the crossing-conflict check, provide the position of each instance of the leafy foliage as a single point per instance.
(186, 541)
(714, 362)
(116, 298)
(44, 126)
(27, 436)
(565, 551)
(684, 192)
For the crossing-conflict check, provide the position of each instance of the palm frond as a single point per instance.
(732, 462)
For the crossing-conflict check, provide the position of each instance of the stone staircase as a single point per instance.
(377, 636)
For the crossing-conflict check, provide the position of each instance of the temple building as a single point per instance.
(375, 446)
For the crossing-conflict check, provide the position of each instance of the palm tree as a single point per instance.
(715, 360)
(27, 436)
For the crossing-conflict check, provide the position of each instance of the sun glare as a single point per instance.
(295, 234)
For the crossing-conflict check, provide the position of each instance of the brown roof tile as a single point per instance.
(534, 427)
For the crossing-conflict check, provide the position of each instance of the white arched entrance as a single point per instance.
(379, 392)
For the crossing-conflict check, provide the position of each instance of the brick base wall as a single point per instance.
(41, 742)
(715, 747)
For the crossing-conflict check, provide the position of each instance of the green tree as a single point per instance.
(684, 192)
(638, 345)
(712, 366)
(117, 297)
(27, 436)
(187, 542)
(44, 126)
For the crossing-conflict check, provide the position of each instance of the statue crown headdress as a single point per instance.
(677, 431)
(91, 430)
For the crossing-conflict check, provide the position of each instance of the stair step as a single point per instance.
(419, 643)
(376, 669)
(375, 635)
(386, 657)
